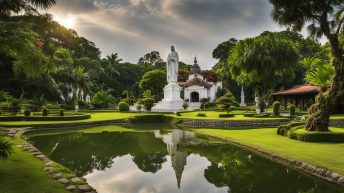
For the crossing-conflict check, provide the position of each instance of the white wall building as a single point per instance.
(197, 87)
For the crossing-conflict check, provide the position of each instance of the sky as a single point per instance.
(133, 28)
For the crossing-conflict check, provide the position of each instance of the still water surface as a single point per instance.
(171, 161)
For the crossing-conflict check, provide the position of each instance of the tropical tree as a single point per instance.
(5, 149)
(154, 81)
(17, 6)
(151, 58)
(324, 18)
(320, 76)
(113, 60)
(263, 60)
(227, 101)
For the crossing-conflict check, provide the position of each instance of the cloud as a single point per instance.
(135, 27)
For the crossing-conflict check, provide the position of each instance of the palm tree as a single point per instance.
(324, 18)
(81, 78)
(311, 62)
(17, 6)
(5, 149)
(320, 76)
(113, 61)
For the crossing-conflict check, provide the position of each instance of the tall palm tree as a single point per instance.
(113, 60)
(5, 149)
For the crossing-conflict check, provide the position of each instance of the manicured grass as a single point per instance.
(327, 155)
(215, 115)
(23, 173)
(99, 116)
(337, 116)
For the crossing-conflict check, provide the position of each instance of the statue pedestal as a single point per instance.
(172, 101)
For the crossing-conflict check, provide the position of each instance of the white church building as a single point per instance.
(198, 87)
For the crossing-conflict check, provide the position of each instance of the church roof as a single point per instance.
(195, 69)
(195, 81)
(297, 90)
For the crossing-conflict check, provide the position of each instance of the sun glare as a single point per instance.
(68, 21)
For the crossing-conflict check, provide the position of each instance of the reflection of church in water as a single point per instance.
(178, 158)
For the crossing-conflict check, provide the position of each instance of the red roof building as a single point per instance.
(302, 96)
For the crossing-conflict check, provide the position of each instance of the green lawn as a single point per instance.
(327, 155)
(23, 173)
(97, 116)
(337, 116)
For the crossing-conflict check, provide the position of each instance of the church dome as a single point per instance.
(195, 69)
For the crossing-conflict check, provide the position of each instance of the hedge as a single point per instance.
(225, 115)
(150, 119)
(44, 118)
(314, 136)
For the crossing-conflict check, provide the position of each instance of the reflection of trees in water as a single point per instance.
(83, 153)
(242, 172)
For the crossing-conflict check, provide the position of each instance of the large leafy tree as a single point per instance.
(324, 18)
(151, 58)
(154, 81)
(29, 6)
(263, 60)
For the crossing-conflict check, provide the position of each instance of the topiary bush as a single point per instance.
(292, 109)
(123, 106)
(148, 103)
(249, 114)
(201, 115)
(276, 108)
(27, 112)
(61, 113)
(44, 112)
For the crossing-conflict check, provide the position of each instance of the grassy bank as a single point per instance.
(327, 155)
(23, 173)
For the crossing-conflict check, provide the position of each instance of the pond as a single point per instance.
(165, 159)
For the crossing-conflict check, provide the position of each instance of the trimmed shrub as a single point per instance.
(61, 113)
(225, 115)
(283, 130)
(148, 103)
(249, 114)
(123, 106)
(262, 115)
(315, 136)
(44, 112)
(178, 114)
(185, 105)
(27, 112)
(150, 118)
(292, 109)
(276, 108)
(201, 115)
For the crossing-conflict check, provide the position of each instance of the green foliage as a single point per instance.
(102, 99)
(139, 106)
(185, 105)
(316, 136)
(225, 102)
(276, 108)
(123, 107)
(204, 102)
(201, 115)
(151, 58)
(320, 76)
(61, 113)
(27, 112)
(45, 112)
(261, 59)
(292, 109)
(5, 149)
(225, 115)
(154, 81)
(148, 103)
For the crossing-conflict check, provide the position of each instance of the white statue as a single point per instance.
(242, 97)
(172, 66)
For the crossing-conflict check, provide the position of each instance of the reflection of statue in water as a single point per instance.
(178, 158)
(172, 66)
